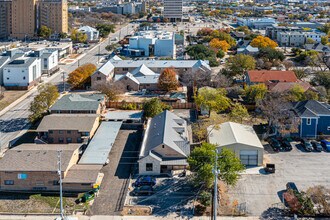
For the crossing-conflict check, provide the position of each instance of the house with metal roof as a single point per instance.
(117, 66)
(67, 128)
(314, 118)
(239, 138)
(165, 145)
(33, 168)
(140, 78)
(79, 103)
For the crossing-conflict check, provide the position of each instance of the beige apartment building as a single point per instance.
(54, 14)
(5, 18)
(23, 18)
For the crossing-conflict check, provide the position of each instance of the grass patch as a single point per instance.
(50, 200)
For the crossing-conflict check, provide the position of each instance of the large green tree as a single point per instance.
(202, 161)
(238, 112)
(212, 99)
(105, 29)
(153, 107)
(239, 64)
(255, 93)
(47, 96)
(202, 52)
(44, 32)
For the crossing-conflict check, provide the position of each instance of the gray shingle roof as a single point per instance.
(165, 128)
(80, 122)
(78, 102)
(82, 174)
(37, 157)
(311, 108)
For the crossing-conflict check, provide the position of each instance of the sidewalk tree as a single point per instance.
(47, 96)
(212, 99)
(168, 80)
(105, 29)
(201, 162)
(262, 42)
(44, 32)
(239, 64)
(78, 37)
(81, 75)
(110, 89)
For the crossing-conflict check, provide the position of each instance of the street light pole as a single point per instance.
(59, 155)
(98, 57)
(63, 81)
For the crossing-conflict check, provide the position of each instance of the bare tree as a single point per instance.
(111, 89)
(199, 78)
(278, 112)
(288, 64)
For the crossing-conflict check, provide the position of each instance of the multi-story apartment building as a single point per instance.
(23, 18)
(296, 38)
(5, 18)
(54, 14)
(173, 10)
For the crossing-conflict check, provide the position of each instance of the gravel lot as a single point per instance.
(263, 191)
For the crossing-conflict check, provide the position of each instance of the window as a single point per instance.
(24, 77)
(55, 183)
(309, 121)
(60, 132)
(125, 69)
(98, 78)
(69, 132)
(50, 132)
(328, 128)
(22, 176)
(68, 140)
(149, 167)
(60, 140)
(9, 182)
(79, 140)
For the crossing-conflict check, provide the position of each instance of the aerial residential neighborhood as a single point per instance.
(172, 109)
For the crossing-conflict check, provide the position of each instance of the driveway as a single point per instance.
(262, 191)
(123, 157)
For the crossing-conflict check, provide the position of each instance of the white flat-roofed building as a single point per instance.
(153, 43)
(173, 10)
(22, 73)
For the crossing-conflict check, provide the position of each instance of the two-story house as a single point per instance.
(314, 118)
(165, 145)
(67, 128)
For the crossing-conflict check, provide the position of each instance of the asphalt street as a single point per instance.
(14, 122)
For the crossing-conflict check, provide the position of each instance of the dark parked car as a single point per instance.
(307, 145)
(286, 145)
(317, 146)
(326, 145)
(270, 168)
(292, 186)
(275, 144)
(145, 181)
(143, 190)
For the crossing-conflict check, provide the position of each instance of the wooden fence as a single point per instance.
(139, 105)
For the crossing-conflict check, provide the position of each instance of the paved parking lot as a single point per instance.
(171, 195)
(262, 191)
(114, 186)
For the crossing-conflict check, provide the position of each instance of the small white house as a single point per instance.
(49, 60)
(92, 33)
(22, 73)
(241, 139)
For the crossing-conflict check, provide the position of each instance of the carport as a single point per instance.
(240, 138)
(100, 146)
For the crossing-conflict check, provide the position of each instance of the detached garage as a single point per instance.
(242, 139)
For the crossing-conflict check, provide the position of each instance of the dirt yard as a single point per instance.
(9, 97)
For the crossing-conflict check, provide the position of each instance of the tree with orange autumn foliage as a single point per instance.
(262, 42)
(219, 44)
(168, 80)
(79, 76)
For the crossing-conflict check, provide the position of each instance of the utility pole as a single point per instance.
(215, 196)
(63, 76)
(59, 156)
(98, 56)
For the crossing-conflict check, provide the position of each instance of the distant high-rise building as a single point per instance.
(173, 10)
(23, 18)
(5, 18)
(54, 14)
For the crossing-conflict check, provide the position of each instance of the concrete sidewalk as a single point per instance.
(103, 217)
